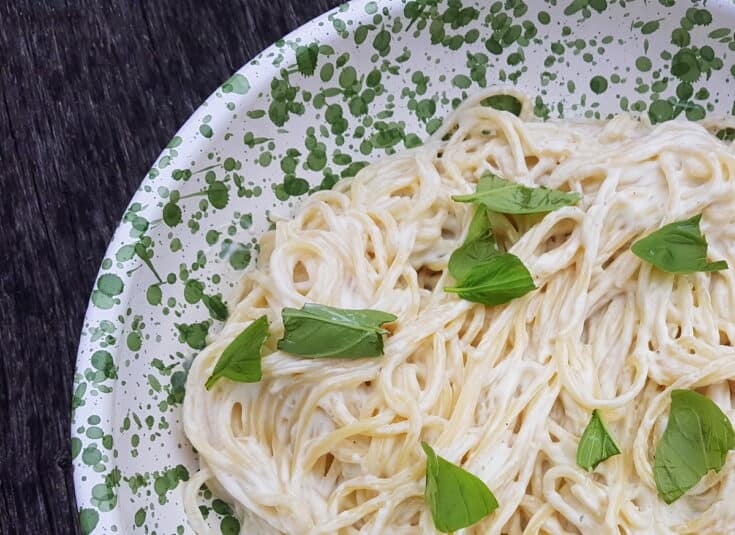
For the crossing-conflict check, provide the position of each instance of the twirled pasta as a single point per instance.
(333, 446)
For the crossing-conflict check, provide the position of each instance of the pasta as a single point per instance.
(328, 446)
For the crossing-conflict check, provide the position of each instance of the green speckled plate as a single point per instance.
(365, 80)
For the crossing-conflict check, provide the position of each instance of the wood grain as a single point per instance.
(90, 92)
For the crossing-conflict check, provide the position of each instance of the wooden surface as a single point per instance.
(91, 91)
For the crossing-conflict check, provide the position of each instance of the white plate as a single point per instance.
(361, 81)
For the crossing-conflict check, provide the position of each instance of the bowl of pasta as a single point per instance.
(430, 266)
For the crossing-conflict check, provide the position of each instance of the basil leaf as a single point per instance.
(696, 440)
(479, 226)
(507, 197)
(495, 281)
(318, 331)
(504, 231)
(478, 246)
(470, 254)
(596, 443)
(456, 498)
(678, 247)
(240, 361)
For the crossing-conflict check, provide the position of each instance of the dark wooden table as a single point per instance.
(90, 90)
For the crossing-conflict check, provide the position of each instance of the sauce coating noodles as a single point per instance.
(326, 446)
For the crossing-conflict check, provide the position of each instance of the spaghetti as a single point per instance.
(326, 446)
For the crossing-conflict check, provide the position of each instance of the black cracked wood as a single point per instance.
(90, 92)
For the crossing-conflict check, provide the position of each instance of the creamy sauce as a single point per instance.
(333, 446)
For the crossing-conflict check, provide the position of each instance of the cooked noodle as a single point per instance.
(328, 446)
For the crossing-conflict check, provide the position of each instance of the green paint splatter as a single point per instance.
(381, 43)
(102, 361)
(94, 433)
(700, 17)
(643, 64)
(77, 399)
(176, 388)
(412, 140)
(137, 482)
(88, 519)
(246, 221)
(326, 72)
(193, 291)
(144, 250)
(154, 295)
(175, 142)
(212, 237)
(206, 131)
(230, 526)
(181, 174)
(134, 341)
(171, 214)
(236, 84)
(76, 447)
(104, 497)
(109, 285)
(139, 518)
(154, 383)
(217, 194)
(240, 256)
(284, 102)
(194, 334)
(425, 109)
(726, 134)
(217, 309)
(221, 508)
(685, 66)
(168, 481)
(461, 81)
(680, 37)
(91, 455)
(650, 27)
(306, 59)
(598, 84)
(125, 253)
(660, 111)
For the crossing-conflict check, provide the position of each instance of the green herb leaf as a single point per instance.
(479, 226)
(495, 281)
(319, 331)
(507, 197)
(504, 231)
(478, 246)
(695, 441)
(503, 103)
(456, 498)
(596, 444)
(471, 254)
(678, 247)
(240, 361)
